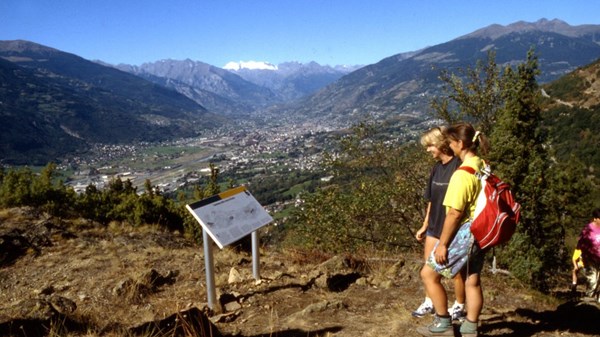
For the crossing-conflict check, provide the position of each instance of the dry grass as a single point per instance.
(107, 272)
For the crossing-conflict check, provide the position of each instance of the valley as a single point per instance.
(235, 151)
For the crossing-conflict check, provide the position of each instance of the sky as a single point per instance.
(329, 32)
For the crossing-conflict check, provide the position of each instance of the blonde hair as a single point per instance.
(435, 137)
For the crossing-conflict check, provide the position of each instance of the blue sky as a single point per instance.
(332, 32)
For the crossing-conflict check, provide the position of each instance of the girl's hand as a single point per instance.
(441, 254)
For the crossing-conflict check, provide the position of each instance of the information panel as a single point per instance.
(230, 215)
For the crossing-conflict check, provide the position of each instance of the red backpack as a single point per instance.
(496, 212)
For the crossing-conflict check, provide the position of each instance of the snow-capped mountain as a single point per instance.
(289, 80)
(250, 65)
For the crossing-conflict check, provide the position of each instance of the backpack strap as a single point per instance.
(468, 169)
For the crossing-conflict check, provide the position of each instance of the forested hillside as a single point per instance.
(573, 116)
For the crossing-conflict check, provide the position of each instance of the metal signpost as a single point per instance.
(226, 218)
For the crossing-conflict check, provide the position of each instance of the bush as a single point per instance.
(373, 201)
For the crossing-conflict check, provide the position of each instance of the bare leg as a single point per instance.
(430, 242)
(459, 288)
(435, 289)
(474, 294)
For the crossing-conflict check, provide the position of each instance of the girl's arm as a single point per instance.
(421, 232)
(451, 225)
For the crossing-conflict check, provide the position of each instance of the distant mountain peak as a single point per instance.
(251, 65)
(544, 25)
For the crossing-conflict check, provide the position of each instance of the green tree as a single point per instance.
(15, 190)
(191, 226)
(22, 187)
(50, 194)
(374, 199)
(472, 95)
(89, 204)
(519, 156)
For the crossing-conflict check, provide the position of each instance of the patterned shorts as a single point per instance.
(463, 250)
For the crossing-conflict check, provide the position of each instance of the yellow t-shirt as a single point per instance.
(463, 189)
(577, 257)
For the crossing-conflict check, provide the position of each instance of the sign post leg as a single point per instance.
(255, 256)
(209, 267)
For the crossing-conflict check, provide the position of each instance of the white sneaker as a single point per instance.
(458, 312)
(424, 309)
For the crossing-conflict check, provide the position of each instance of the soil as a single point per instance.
(120, 279)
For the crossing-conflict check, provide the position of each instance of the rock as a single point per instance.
(336, 274)
(145, 284)
(234, 276)
(232, 306)
(154, 279)
(387, 284)
(16, 242)
(225, 317)
(63, 305)
(228, 302)
(192, 322)
(32, 309)
(333, 265)
(321, 281)
(13, 245)
(362, 281)
(322, 306)
(46, 291)
(122, 287)
(33, 317)
(395, 269)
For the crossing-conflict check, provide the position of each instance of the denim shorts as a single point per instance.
(463, 251)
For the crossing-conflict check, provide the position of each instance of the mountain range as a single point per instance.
(404, 86)
(54, 104)
(239, 88)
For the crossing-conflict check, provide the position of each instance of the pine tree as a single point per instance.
(472, 95)
(519, 156)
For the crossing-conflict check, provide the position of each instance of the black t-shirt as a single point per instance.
(435, 192)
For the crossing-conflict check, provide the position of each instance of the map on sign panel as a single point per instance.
(230, 215)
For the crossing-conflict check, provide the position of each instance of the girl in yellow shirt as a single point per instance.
(457, 251)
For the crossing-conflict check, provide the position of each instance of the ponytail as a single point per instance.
(481, 143)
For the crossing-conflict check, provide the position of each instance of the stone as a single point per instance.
(234, 276)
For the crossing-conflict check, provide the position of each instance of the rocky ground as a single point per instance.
(73, 278)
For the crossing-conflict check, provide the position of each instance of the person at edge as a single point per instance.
(446, 163)
(577, 260)
(589, 243)
(457, 251)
